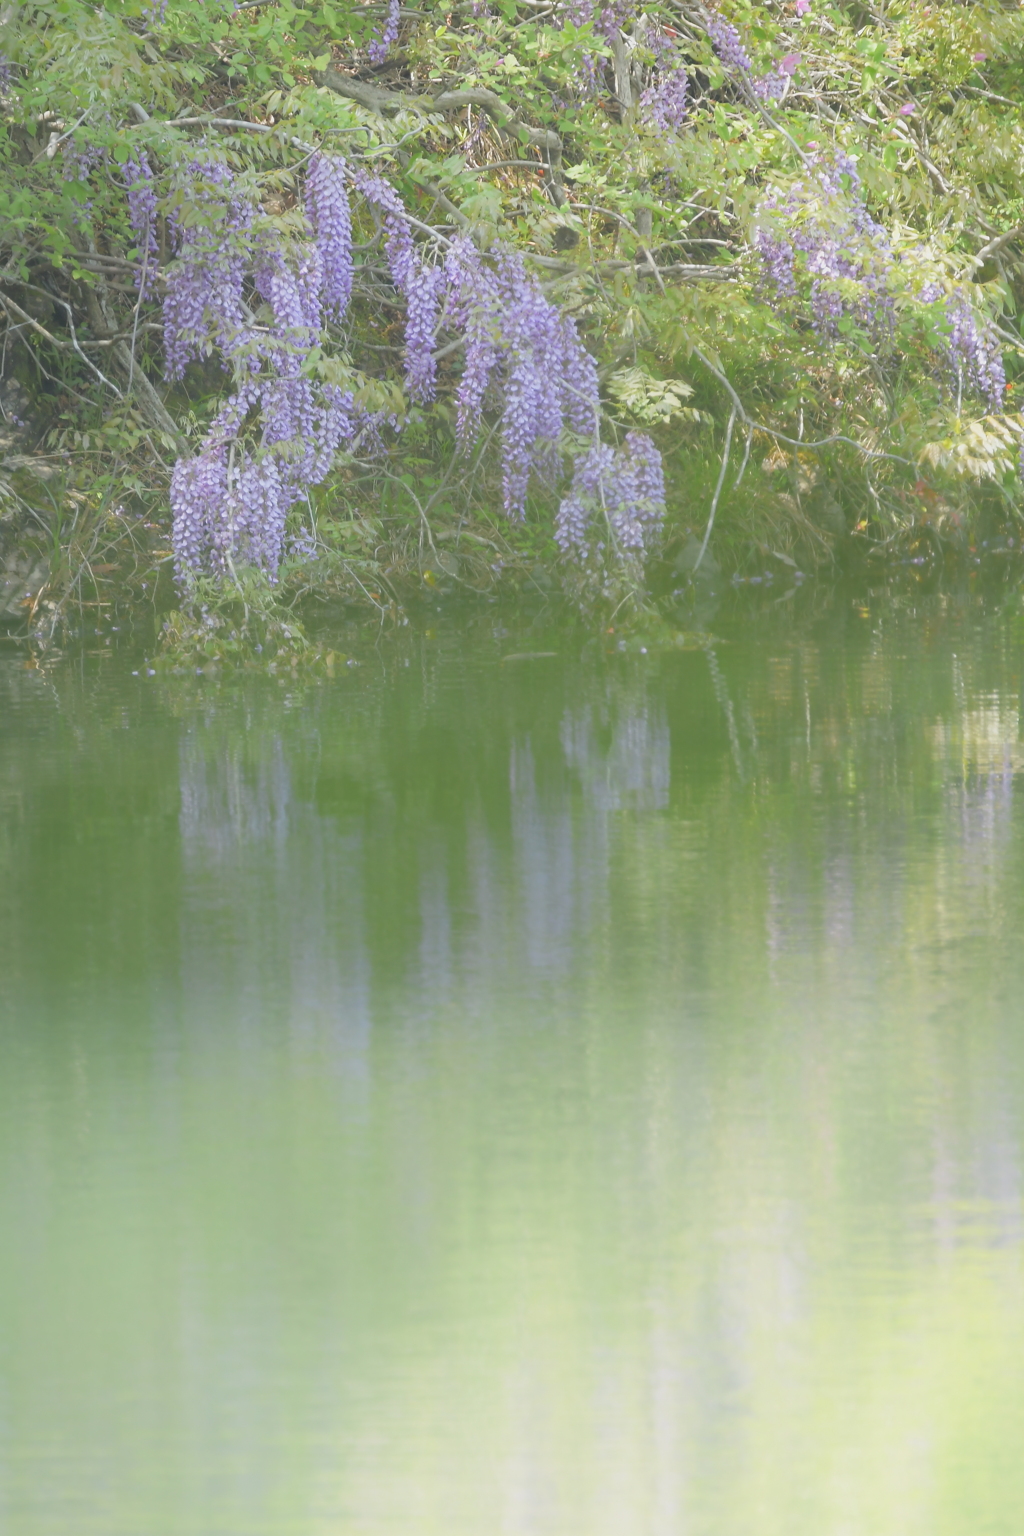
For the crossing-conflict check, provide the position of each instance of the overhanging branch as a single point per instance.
(374, 99)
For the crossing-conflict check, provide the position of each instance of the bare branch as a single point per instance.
(62, 346)
(376, 100)
(718, 488)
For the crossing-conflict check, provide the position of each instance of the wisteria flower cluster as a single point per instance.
(975, 355)
(231, 501)
(588, 73)
(522, 349)
(419, 284)
(522, 355)
(854, 272)
(78, 157)
(845, 252)
(142, 215)
(728, 44)
(663, 105)
(617, 497)
(203, 307)
(330, 218)
(380, 45)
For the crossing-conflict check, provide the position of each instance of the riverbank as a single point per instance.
(333, 612)
(74, 563)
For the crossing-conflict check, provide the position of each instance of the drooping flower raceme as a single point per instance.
(529, 357)
(327, 208)
(378, 48)
(822, 227)
(728, 44)
(617, 498)
(261, 302)
(142, 215)
(420, 285)
(663, 104)
(203, 307)
(520, 347)
(975, 355)
(231, 501)
(846, 254)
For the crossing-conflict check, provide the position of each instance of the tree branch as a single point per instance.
(997, 244)
(376, 100)
(62, 346)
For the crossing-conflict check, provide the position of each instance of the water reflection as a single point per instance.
(571, 1099)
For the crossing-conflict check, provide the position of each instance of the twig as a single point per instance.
(718, 488)
(746, 456)
(997, 244)
(780, 437)
(62, 346)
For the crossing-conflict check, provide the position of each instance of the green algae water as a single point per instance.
(574, 1094)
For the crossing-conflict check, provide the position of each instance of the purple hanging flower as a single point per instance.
(327, 209)
(663, 104)
(727, 44)
(617, 497)
(975, 356)
(420, 288)
(203, 306)
(379, 47)
(142, 215)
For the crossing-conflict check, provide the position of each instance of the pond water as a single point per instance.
(570, 1095)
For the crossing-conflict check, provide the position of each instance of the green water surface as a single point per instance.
(572, 1095)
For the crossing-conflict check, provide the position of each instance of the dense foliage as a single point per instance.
(582, 261)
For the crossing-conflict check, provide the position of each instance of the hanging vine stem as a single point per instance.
(781, 437)
(718, 488)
